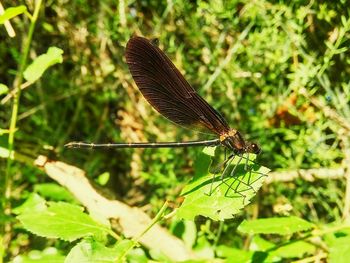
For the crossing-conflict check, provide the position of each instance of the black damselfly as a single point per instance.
(164, 87)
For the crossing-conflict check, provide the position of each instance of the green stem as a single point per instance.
(155, 220)
(17, 87)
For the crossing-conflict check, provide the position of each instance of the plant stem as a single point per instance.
(155, 220)
(12, 129)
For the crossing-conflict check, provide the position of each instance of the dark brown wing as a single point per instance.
(163, 86)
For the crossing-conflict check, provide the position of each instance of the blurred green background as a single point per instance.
(277, 70)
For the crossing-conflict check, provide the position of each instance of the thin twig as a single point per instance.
(14, 91)
(306, 174)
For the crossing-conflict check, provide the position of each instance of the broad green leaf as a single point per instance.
(219, 199)
(61, 220)
(295, 249)
(35, 70)
(48, 255)
(90, 250)
(232, 254)
(277, 225)
(262, 247)
(54, 192)
(260, 244)
(34, 203)
(340, 251)
(209, 151)
(11, 12)
(3, 89)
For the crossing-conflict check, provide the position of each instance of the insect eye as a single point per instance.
(255, 148)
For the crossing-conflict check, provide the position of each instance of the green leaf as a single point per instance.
(232, 254)
(295, 249)
(3, 89)
(48, 255)
(339, 252)
(209, 151)
(35, 70)
(61, 220)
(53, 191)
(226, 199)
(260, 244)
(277, 225)
(90, 250)
(103, 178)
(33, 203)
(11, 12)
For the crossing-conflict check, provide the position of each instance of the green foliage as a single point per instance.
(340, 250)
(49, 254)
(272, 252)
(3, 89)
(36, 69)
(208, 195)
(12, 12)
(92, 251)
(279, 225)
(61, 220)
(53, 192)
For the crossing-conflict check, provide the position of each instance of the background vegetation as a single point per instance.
(277, 70)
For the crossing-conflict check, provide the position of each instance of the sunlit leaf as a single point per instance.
(294, 249)
(339, 252)
(48, 255)
(3, 89)
(54, 192)
(35, 70)
(221, 199)
(103, 178)
(232, 254)
(34, 203)
(61, 220)
(277, 225)
(90, 250)
(11, 12)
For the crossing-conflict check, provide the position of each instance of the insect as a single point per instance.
(165, 88)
